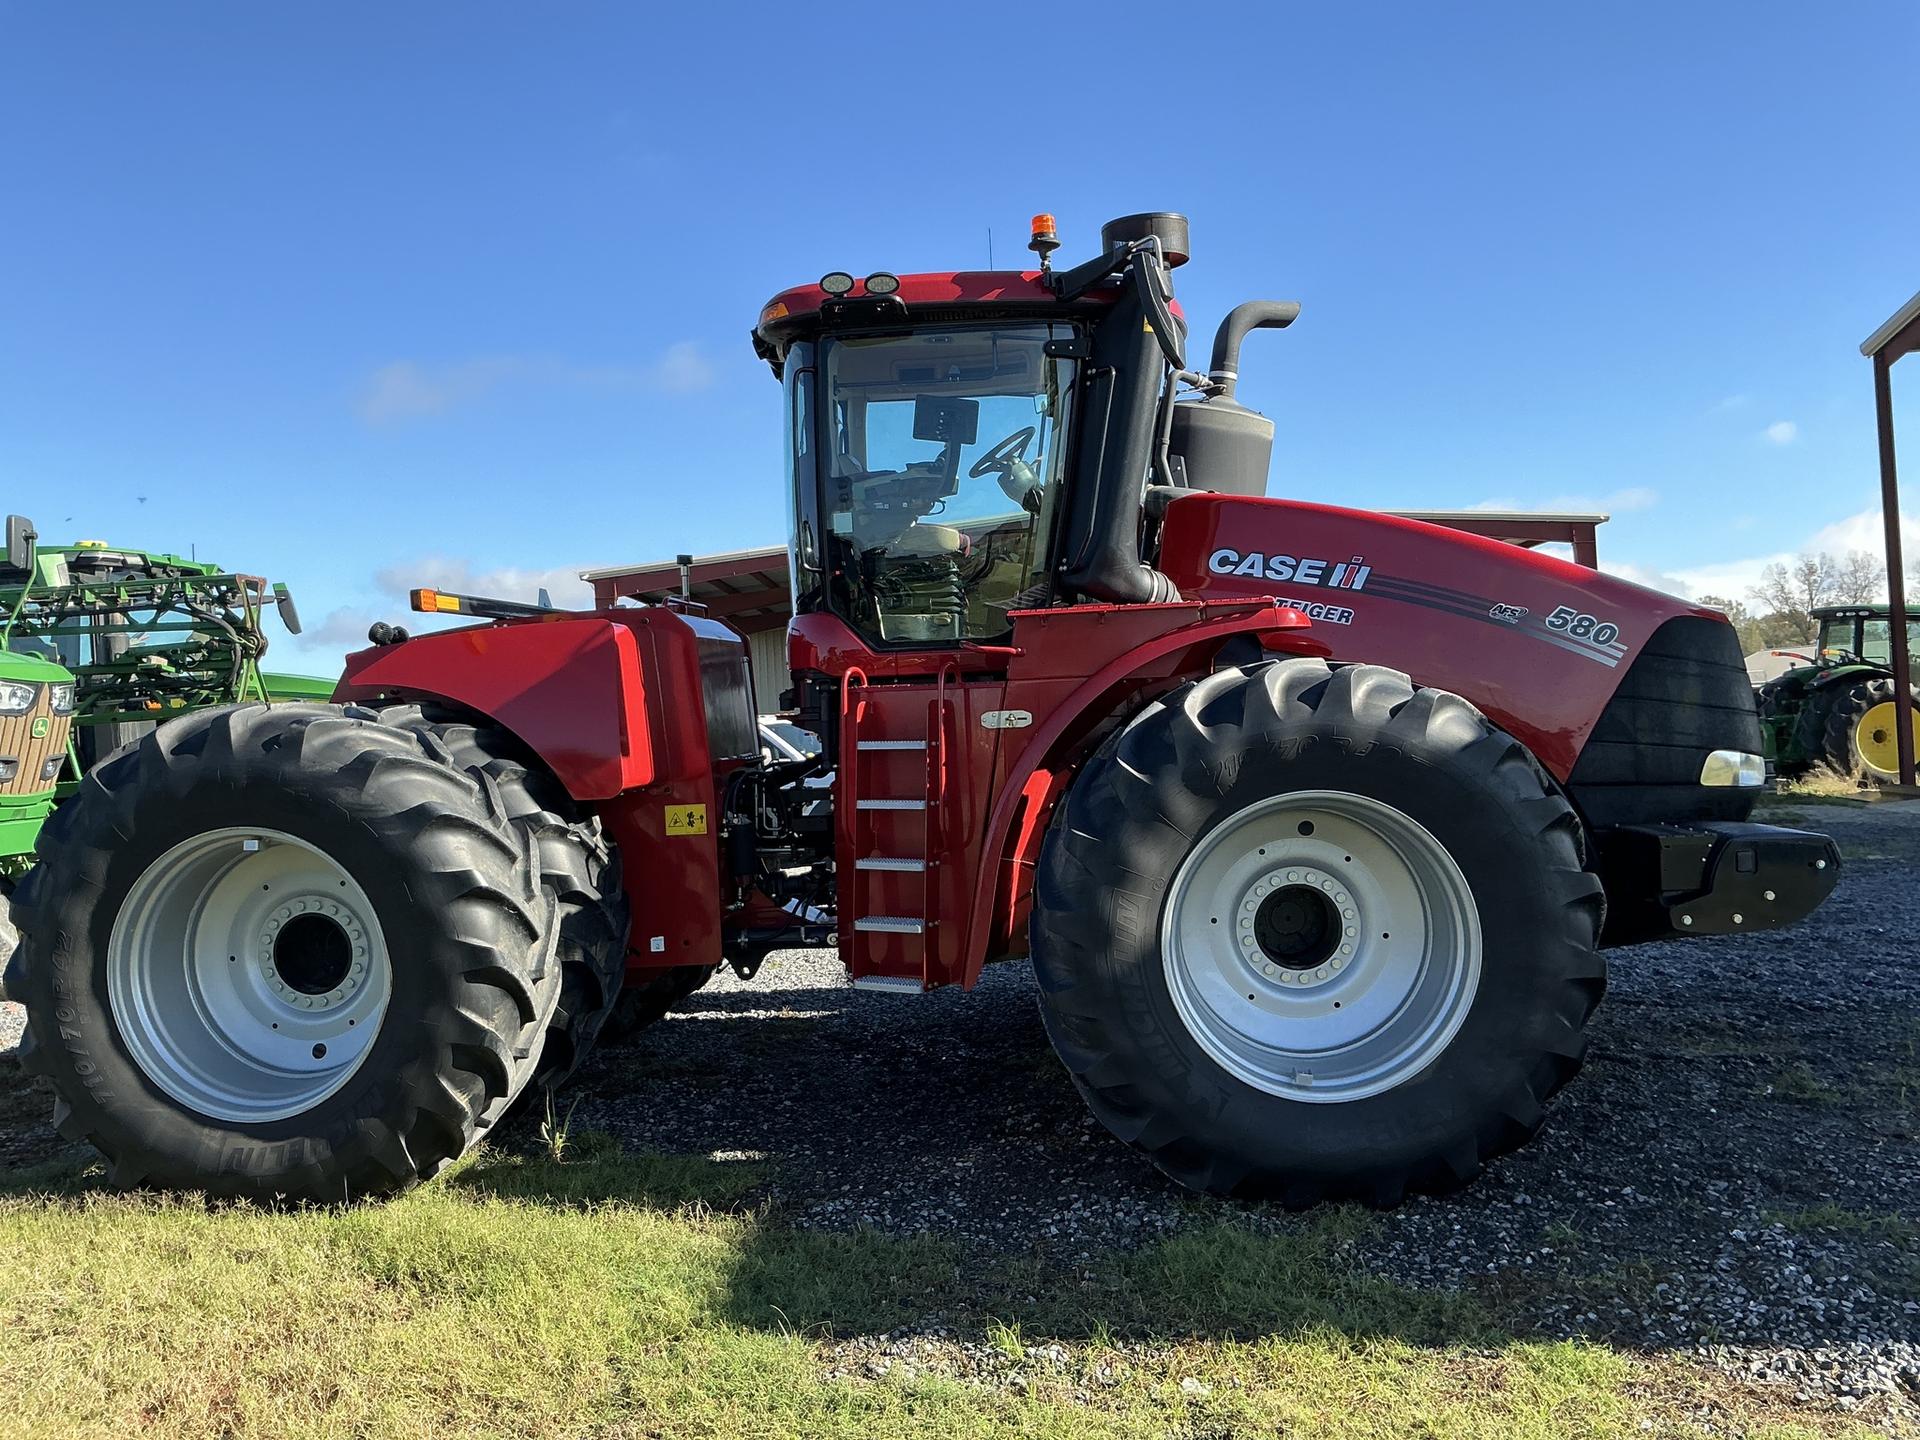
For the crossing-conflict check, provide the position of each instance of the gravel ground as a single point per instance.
(1735, 1176)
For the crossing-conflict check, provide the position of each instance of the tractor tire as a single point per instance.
(577, 866)
(1857, 735)
(646, 1001)
(1313, 933)
(283, 953)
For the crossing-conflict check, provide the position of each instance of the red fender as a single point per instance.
(572, 689)
(1027, 790)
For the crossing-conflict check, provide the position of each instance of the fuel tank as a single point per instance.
(1540, 644)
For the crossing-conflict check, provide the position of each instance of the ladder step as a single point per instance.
(897, 864)
(896, 984)
(890, 925)
(890, 804)
(893, 744)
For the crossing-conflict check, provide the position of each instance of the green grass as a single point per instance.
(638, 1297)
(1896, 1230)
(1798, 1083)
(1819, 786)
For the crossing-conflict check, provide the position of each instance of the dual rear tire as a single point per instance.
(299, 953)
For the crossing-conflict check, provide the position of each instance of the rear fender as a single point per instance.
(572, 690)
(613, 704)
(1849, 675)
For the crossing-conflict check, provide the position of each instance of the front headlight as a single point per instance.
(16, 698)
(1736, 769)
(61, 698)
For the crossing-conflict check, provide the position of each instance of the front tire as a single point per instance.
(282, 953)
(1314, 933)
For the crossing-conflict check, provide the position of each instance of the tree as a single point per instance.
(1791, 593)
(1860, 579)
(1756, 632)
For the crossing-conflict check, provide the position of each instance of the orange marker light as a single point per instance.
(1045, 241)
(433, 602)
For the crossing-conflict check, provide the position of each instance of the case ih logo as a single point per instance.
(1349, 574)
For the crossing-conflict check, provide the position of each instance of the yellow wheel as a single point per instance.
(1876, 739)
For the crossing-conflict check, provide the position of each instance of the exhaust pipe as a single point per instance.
(1243, 319)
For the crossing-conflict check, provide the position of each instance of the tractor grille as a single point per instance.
(18, 742)
(1686, 693)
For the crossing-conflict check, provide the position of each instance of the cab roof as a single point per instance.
(957, 294)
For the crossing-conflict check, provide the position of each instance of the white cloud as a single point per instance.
(682, 370)
(439, 572)
(344, 628)
(1781, 432)
(1734, 578)
(1645, 575)
(1865, 531)
(410, 389)
(1732, 402)
(1617, 502)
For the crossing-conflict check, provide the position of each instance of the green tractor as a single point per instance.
(1838, 710)
(134, 637)
(36, 721)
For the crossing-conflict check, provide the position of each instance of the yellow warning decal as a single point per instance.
(686, 819)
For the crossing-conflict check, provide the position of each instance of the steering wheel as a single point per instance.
(1002, 456)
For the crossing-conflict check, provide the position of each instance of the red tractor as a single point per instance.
(1316, 823)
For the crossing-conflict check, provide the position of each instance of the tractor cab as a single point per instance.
(937, 463)
(966, 445)
(1860, 633)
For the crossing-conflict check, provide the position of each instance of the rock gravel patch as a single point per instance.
(1734, 1179)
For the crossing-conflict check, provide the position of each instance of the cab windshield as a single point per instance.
(1876, 640)
(940, 469)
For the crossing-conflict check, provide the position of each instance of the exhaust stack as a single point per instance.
(1221, 444)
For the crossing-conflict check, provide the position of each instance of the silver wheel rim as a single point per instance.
(1321, 946)
(248, 974)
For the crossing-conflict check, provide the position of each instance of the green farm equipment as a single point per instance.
(1838, 710)
(144, 636)
(36, 715)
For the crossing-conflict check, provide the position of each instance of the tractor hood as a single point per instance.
(1538, 643)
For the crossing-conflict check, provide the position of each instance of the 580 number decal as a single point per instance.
(1583, 627)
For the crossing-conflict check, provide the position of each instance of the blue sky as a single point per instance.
(364, 295)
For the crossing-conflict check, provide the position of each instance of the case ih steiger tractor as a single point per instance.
(1315, 822)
